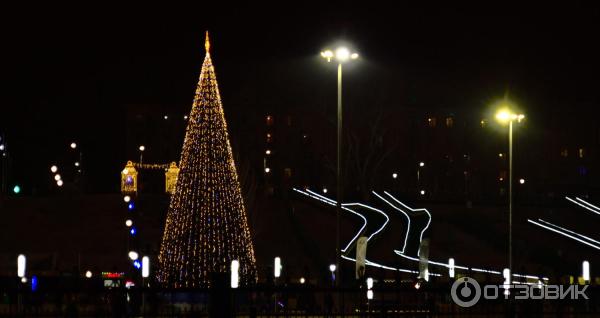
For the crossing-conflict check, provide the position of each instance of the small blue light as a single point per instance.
(34, 283)
(133, 231)
(131, 206)
(137, 264)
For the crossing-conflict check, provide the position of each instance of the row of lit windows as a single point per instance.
(432, 122)
(565, 153)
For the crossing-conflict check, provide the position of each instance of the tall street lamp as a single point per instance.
(507, 116)
(341, 55)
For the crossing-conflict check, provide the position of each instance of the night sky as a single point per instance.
(70, 71)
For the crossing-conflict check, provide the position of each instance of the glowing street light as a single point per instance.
(522, 181)
(126, 198)
(369, 283)
(53, 169)
(128, 223)
(235, 277)
(145, 267)
(451, 267)
(133, 255)
(57, 177)
(21, 264)
(59, 183)
(421, 164)
(342, 55)
(506, 273)
(88, 274)
(73, 145)
(394, 175)
(585, 268)
(506, 116)
(277, 267)
(302, 280)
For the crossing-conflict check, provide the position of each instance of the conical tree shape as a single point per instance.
(206, 226)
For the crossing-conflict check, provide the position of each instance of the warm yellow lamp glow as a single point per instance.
(342, 54)
(504, 115)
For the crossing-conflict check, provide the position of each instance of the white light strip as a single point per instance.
(569, 231)
(329, 201)
(319, 197)
(429, 262)
(387, 218)
(485, 271)
(334, 202)
(588, 204)
(526, 276)
(314, 197)
(583, 206)
(369, 263)
(414, 210)
(405, 214)
(564, 234)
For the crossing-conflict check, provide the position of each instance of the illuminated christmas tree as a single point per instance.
(206, 226)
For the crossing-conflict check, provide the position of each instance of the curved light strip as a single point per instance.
(326, 200)
(569, 231)
(344, 206)
(387, 218)
(563, 233)
(582, 205)
(332, 202)
(414, 210)
(588, 204)
(407, 218)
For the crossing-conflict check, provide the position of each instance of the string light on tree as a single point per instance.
(206, 226)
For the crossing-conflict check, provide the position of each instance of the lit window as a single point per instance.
(431, 121)
(449, 122)
(501, 155)
(581, 152)
(564, 153)
(269, 120)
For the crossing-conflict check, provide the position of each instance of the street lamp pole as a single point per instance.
(507, 116)
(339, 171)
(342, 55)
(510, 194)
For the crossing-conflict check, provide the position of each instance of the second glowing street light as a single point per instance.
(504, 116)
(341, 55)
